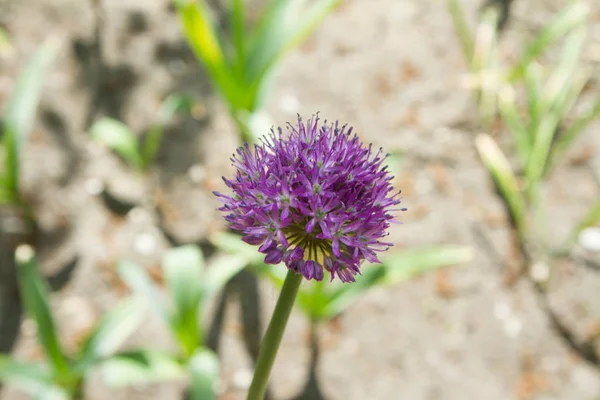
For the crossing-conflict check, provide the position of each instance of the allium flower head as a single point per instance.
(315, 199)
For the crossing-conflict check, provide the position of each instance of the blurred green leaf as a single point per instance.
(28, 376)
(406, 264)
(510, 114)
(501, 172)
(462, 28)
(566, 138)
(141, 367)
(117, 136)
(183, 270)
(237, 22)
(396, 267)
(32, 378)
(114, 328)
(36, 297)
(171, 106)
(283, 26)
(343, 295)
(217, 276)
(232, 243)
(199, 30)
(310, 19)
(140, 283)
(573, 16)
(533, 89)
(4, 40)
(204, 369)
(20, 111)
(313, 298)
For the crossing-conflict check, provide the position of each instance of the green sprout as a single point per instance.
(17, 122)
(240, 62)
(190, 285)
(535, 100)
(62, 376)
(139, 153)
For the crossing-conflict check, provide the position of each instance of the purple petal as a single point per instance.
(274, 256)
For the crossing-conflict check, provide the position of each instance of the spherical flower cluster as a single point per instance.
(316, 199)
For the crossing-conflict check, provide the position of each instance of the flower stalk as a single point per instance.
(272, 339)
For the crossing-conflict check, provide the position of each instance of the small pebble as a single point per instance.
(197, 173)
(589, 239)
(289, 104)
(242, 379)
(501, 311)
(145, 244)
(93, 186)
(540, 272)
(512, 327)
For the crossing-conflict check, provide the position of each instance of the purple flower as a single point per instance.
(315, 199)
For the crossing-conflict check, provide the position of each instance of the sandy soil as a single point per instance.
(392, 69)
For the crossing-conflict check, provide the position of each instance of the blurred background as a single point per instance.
(119, 280)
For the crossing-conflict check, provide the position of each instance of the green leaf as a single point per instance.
(237, 21)
(141, 367)
(199, 31)
(501, 172)
(566, 138)
(533, 88)
(508, 109)
(117, 136)
(25, 375)
(32, 378)
(183, 270)
(36, 297)
(407, 264)
(573, 16)
(232, 243)
(113, 330)
(344, 294)
(20, 111)
(462, 28)
(283, 26)
(4, 40)
(140, 283)
(217, 276)
(171, 106)
(204, 370)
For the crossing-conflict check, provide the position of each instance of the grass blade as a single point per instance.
(566, 138)
(573, 16)
(199, 30)
(171, 106)
(141, 367)
(20, 111)
(345, 294)
(407, 264)
(500, 170)
(112, 331)
(462, 28)
(508, 109)
(237, 21)
(36, 296)
(25, 375)
(204, 370)
(217, 276)
(183, 269)
(140, 283)
(118, 137)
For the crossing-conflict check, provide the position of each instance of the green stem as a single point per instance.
(272, 339)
